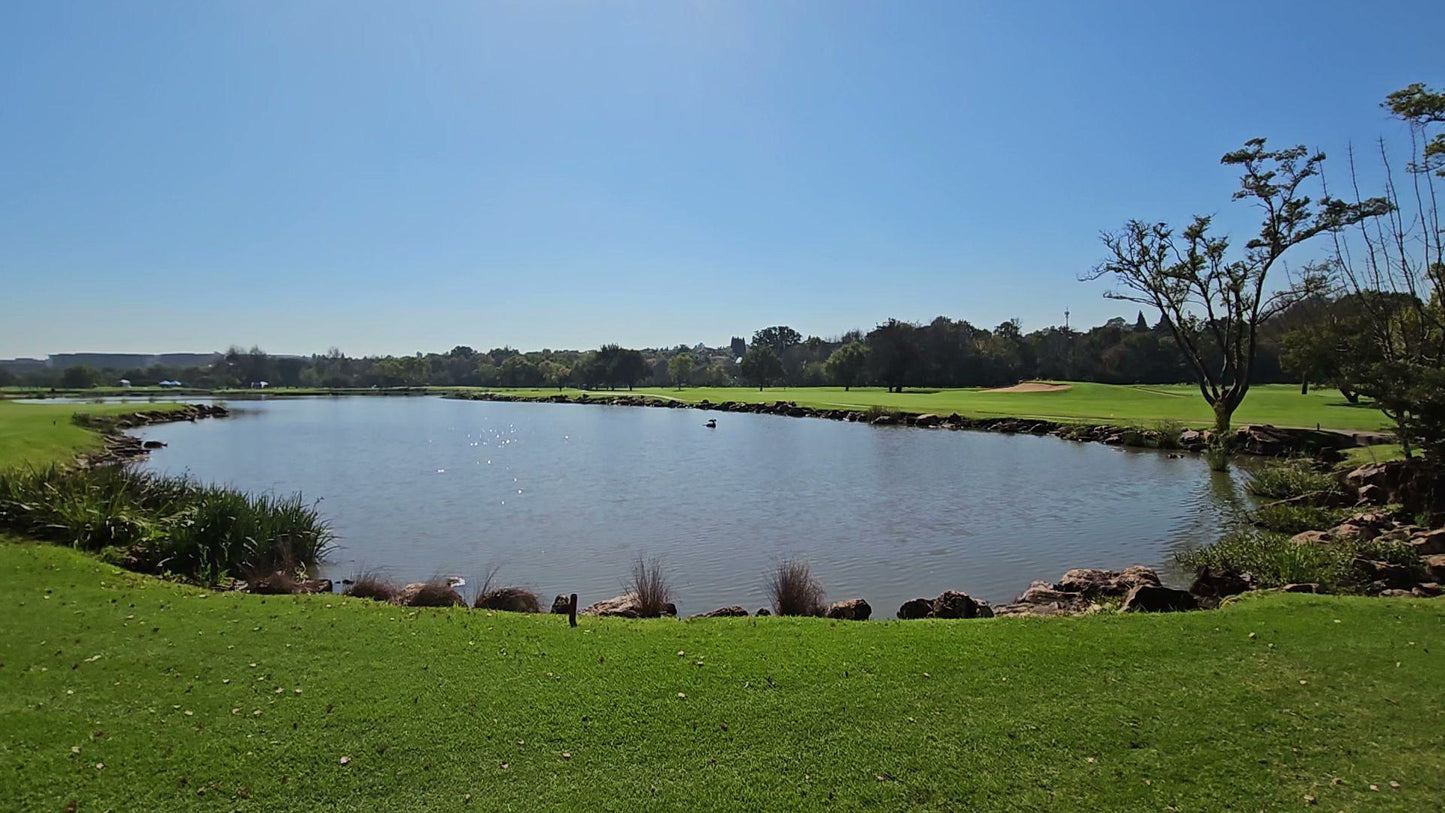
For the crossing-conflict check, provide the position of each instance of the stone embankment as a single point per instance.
(119, 447)
(1258, 440)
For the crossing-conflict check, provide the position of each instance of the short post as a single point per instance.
(572, 610)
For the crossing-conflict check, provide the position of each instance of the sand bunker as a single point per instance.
(1032, 386)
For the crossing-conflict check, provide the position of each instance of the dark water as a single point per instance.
(564, 497)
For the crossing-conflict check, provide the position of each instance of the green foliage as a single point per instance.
(846, 365)
(761, 366)
(680, 366)
(163, 524)
(1275, 561)
(1286, 481)
(1289, 518)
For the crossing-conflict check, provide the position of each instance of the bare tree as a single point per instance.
(1212, 304)
(1393, 269)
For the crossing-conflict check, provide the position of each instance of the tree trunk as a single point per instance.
(1304, 386)
(1222, 443)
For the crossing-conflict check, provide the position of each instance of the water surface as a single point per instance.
(564, 497)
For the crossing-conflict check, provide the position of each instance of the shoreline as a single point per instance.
(119, 447)
(1254, 439)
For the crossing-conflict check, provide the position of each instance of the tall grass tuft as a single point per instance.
(793, 589)
(371, 585)
(652, 594)
(1295, 481)
(1287, 518)
(164, 524)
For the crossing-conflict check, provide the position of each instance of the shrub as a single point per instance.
(1295, 481)
(1169, 432)
(1275, 561)
(876, 411)
(372, 586)
(161, 523)
(1287, 518)
(435, 592)
(649, 587)
(509, 599)
(794, 591)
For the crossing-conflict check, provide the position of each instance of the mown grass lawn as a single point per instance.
(1278, 404)
(39, 434)
(123, 692)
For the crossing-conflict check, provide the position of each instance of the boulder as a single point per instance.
(915, 608)
(953, 604)
(854, 609)
(1312, 538)
(1093, 583)
(1429, 543)
(1306, 587)
(1153, 598)
(624, 606)
(724, 612)
(1370, 494)
(927, 420)
(316, 586)
(1355, 531)
(511, 600)
(1435, 566)
(1395, 593)
(1217, 583)
(429, 594)
(1391, 575)
(1428, 589)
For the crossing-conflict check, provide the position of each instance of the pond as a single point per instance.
(563, 498)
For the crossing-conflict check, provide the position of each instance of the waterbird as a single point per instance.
(711, 424)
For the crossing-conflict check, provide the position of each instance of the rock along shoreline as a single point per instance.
(119, 447)
(1265, 440)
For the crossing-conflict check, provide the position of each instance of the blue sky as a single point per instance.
(394, 177)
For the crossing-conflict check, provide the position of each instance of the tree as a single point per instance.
(1395, 267)
(79, 377)
(627, 367)
(555, 373)
(845, 366)
(893, 354)
(761, 366)
(681, 368)
(519, 371)
(1214, 305)
(738, 346)
(779, 338)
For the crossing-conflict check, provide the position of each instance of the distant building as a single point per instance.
(169, 382)
(125, 382)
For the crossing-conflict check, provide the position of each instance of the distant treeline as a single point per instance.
(942, 353)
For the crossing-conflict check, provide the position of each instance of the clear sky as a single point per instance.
(394, 177)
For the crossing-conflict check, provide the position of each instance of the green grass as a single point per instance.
(189, 699)
(1278, 404)
(41, 434)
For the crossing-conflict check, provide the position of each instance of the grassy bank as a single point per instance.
(42, 434)
(118, 691)
(1281, 405)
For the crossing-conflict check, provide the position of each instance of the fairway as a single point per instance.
(1277, 404)
(40, 434)
(123, 692)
